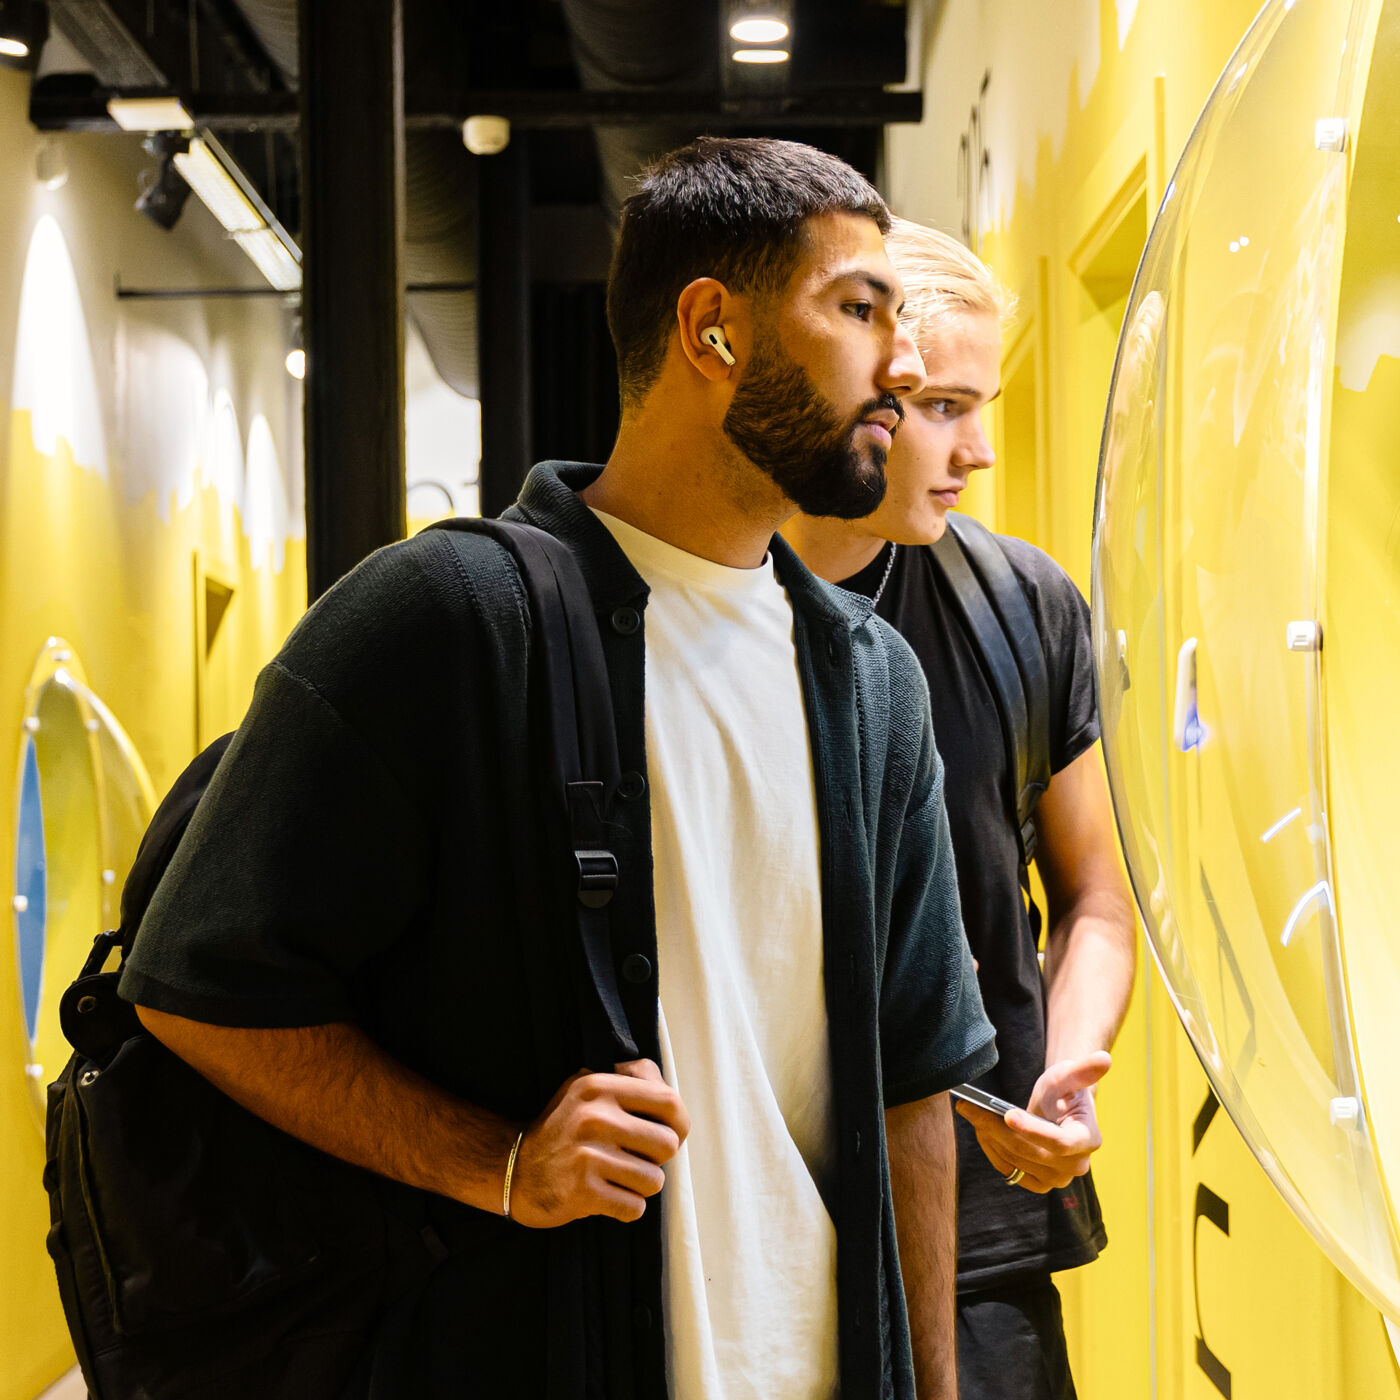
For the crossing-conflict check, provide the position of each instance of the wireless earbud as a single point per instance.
(713, 336)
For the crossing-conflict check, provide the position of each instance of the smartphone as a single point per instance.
(980, 1098)
(970, 1093)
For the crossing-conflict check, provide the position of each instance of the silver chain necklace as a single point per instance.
(885, 577)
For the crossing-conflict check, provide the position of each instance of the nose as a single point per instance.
(975, 450)
(903, 370)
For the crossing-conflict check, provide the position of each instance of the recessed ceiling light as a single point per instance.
(758, 31)
(761, 55)
(14, 48)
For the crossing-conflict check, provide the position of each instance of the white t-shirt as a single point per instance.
(749, 1247)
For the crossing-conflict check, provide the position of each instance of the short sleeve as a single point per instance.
(300, 864)
(307, 856)
(934, 1032)
(1062, 619)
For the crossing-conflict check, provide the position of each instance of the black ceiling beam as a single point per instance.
(57, 108)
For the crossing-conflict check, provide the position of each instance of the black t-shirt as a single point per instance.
(1001, 1231)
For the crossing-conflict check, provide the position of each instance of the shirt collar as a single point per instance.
(549, 499)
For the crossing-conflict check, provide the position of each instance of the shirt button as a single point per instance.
(631, 785)
(641, 1317)
(636, 968)
(625, 621)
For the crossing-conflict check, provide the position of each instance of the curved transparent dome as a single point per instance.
(1247, 608)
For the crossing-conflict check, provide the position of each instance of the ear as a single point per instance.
(702, 306)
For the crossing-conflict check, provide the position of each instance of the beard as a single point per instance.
(791, 432)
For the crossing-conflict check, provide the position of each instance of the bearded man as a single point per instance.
(337, 943)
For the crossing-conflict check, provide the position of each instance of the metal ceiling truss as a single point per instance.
(56, 107)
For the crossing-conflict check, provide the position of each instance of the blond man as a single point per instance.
(1027, 1204)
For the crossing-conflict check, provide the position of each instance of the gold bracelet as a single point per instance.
(510, 1172)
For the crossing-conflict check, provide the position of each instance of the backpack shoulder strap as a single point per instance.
(1000, 619)
(576, 697)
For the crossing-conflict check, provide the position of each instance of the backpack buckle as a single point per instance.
(597, 878)
(1029, 840)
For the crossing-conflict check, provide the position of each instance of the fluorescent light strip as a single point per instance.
(206, 175)
(761, 55)
(273, 258)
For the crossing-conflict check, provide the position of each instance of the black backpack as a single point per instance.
(1002, 627)
(201, 1252)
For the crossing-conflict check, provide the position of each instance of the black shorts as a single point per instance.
(1011, 1343)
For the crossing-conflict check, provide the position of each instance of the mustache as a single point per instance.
(885, 401)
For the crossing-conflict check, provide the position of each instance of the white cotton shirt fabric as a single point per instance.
(749, 1248)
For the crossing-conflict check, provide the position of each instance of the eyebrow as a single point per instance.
(878, 285)
(949, 391)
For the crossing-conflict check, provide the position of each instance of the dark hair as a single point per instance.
(732, 209)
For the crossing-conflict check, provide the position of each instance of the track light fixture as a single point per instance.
(163, 200)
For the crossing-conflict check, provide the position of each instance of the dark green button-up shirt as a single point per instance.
(361, 856)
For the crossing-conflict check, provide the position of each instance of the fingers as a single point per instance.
(640, 1069)
(599, 1147)
(1050, 1155)
(638, 1087)
(1071, 1137)
(614, 1167)
(1066, 1078)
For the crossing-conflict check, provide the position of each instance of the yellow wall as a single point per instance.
(153, 460)
(1071, 116)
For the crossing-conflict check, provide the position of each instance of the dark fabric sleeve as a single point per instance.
(933, 1030)
(1062, 618)
(307, 855)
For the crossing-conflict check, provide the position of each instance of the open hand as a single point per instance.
(1052, 1140)
(598, 1148)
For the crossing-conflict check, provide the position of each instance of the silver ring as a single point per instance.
(1013, 1178)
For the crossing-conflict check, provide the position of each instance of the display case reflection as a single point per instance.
(83, 800)
(1245, 571)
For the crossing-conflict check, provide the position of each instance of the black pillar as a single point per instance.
(352, 294)
(503, 323)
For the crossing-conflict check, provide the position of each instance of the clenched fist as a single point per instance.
(598, 1148)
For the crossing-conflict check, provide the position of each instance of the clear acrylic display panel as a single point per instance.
(1245, 572)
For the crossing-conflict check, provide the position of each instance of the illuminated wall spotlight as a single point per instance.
(24, 25)
(296, 356)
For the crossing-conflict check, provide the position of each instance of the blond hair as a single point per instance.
(941, 275)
